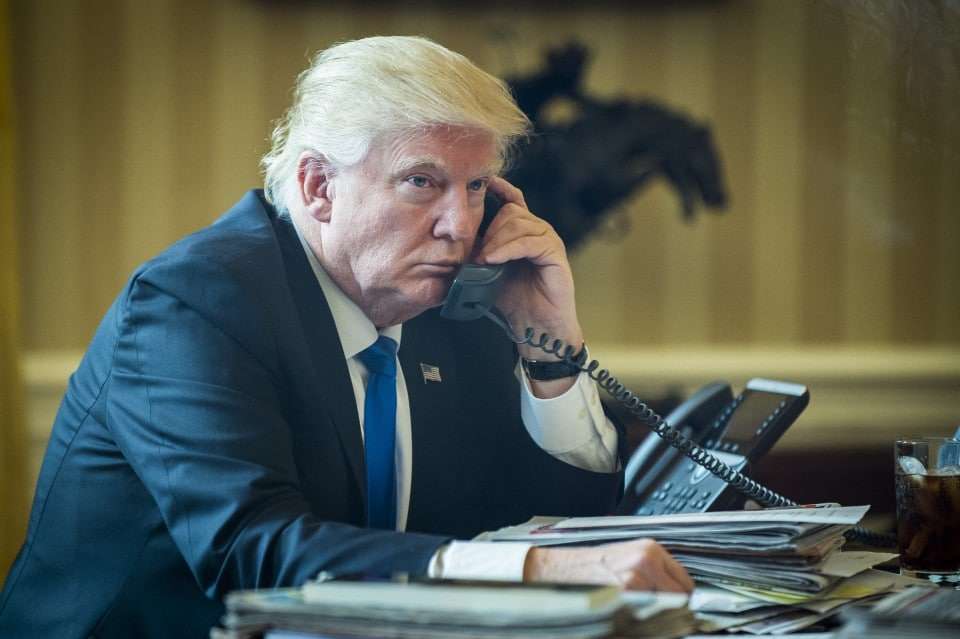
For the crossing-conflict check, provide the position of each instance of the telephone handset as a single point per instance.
(474, 290)
(476, 286)
(741, 429)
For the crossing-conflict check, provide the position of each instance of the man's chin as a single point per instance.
(428, 294)
(436, 300)
(437, 294)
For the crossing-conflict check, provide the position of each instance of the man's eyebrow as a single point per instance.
(405, 165)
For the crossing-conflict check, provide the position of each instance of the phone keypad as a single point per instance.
(689, 488)
(670, 499)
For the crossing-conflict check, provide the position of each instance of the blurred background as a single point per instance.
(127, 124)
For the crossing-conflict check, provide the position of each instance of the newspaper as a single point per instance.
(801, 514)
(811, 532)
(925, 612)
(761, 572)
(760, 612)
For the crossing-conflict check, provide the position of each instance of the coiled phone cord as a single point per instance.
(748, 487)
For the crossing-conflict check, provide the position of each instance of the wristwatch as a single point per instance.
(544, 371)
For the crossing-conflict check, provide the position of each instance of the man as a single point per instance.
(243, 418)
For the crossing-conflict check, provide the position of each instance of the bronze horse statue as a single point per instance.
(575, 172)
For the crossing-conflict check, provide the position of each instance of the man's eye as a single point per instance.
(477, 185)
(419, 181)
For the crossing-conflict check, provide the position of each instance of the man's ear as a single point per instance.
(313, 178)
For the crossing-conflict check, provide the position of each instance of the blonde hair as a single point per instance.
(359, 92)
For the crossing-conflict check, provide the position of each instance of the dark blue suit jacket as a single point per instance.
(209, 441)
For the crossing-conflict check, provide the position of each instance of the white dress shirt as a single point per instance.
(571, 427)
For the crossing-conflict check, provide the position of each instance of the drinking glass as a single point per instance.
(928, 508)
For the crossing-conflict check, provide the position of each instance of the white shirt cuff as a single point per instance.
(482, 560)
(572, 427)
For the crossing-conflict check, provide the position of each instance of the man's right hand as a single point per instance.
(639, 564)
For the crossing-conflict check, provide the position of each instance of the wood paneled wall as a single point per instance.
(141, 120)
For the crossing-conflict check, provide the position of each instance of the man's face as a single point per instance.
(404, 220)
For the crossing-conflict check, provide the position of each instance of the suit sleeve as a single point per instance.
(198, 416)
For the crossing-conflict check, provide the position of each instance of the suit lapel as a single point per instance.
(326, 352)
(433, 405)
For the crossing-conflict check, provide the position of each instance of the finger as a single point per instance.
(677, 572)
(652, 579)
(517, 229)
(666, 583)
(670, 567)
(514, 218)
(507, 192)
(655, 569)
(510, 214)
(542, 241)
(527, 247)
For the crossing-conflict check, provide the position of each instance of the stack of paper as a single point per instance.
(777, 549)
(930, 613)
(432, 609)
(760, 613)
(422, 610)
(761, 571)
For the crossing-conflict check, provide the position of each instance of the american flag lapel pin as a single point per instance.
(430, 372)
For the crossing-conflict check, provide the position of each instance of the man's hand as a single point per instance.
(539, 292)
(639, 564)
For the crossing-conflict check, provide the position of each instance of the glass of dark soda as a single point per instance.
(928, 508)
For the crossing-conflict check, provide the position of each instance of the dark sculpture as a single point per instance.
(576, 172)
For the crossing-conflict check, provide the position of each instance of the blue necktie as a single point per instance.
(379, 431)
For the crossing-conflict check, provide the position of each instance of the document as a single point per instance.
(821, 515)
(770, 571)
(794, 532)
